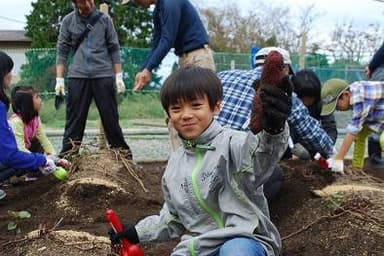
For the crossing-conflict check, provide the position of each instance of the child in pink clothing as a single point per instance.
(26, 123)
(27, 126)
(12, 160)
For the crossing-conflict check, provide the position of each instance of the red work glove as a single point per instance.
(63, 163)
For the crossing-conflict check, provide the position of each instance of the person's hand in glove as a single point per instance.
(336, 165)
(129, 232)
(49, 166)
(272, 100)
(60, 92)
(276, 103)
(63, 163)
(120, 85)
(60, 87)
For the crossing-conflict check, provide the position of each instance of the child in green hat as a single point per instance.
(366, 100)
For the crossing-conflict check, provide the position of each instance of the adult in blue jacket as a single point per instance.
(176, 25)
(12, 160)
(375, 69)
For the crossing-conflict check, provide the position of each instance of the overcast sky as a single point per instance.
(363, 12)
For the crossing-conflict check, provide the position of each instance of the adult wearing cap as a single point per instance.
(90, 35)
(366, 100)
(176, 25)
(236, 106)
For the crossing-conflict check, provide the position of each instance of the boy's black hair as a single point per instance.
(22, 102)
(6, 65)
(190, 83)
(307, 84)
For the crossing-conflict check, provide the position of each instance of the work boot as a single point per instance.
(374, 154)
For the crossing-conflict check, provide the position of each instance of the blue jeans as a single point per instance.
(241, 246)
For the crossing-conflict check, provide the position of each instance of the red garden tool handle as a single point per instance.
(128, 249)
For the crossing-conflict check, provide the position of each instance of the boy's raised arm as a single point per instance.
(271, 130)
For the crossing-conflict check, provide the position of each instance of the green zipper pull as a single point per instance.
(205, 147)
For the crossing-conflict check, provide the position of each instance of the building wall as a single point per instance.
(18, 56)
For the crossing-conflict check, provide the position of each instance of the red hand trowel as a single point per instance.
(127, 248)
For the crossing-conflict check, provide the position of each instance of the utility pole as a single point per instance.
(303, 49)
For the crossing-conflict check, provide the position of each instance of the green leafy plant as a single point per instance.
(16, 216)
(335, 201)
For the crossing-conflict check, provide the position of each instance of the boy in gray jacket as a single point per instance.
(213, 184)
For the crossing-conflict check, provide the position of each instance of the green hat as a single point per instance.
(330, 93)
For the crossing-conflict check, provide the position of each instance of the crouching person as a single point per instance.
(12, 160)
(213, 184)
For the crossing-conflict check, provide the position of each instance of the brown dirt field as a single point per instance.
(67, 218)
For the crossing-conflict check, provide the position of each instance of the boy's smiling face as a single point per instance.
(192, 118)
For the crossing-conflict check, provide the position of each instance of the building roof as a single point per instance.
(14, 36)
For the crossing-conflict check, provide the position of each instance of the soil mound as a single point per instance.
(320, 213)
(64, 243)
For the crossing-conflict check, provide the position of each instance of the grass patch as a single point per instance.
(132, 106)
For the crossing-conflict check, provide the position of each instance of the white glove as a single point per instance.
(290, 143)
(336, 165)
(120, 86)
(49, 167)
(60, 87)
(60, 161)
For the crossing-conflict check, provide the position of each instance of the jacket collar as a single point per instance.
(205, 139)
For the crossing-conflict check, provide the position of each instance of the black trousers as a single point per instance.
(6, 172)
(274, 183)
(81, 91)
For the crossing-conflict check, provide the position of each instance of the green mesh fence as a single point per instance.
(349, 74)
(226, 61)
(39, 70)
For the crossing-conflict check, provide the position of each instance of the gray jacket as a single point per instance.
(97, 52)
(213, 192)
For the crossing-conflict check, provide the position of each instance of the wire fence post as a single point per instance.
(232, 64)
